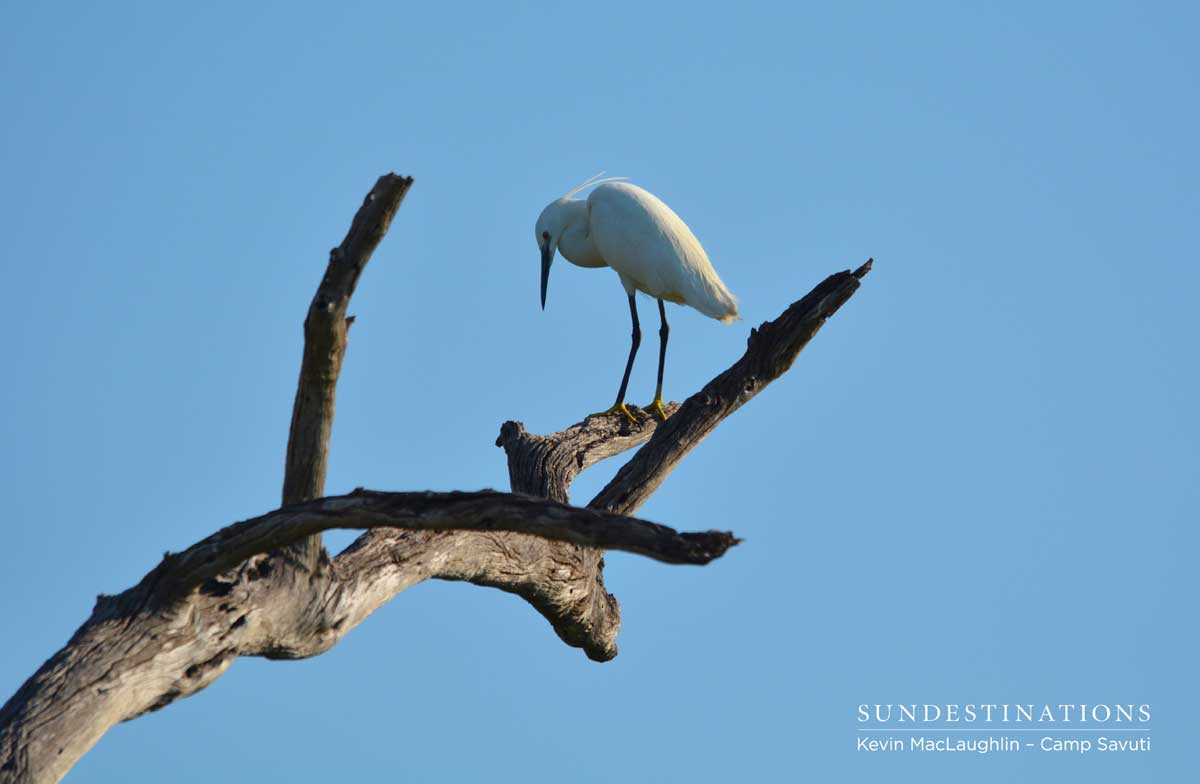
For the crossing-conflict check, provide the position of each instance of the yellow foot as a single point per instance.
(618, 408)
(656, 408)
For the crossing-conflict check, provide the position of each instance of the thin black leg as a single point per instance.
(663, 332)
(637, 341)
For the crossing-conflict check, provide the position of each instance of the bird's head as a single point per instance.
(548, 231)
(561, 215)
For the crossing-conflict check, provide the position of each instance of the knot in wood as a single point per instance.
(510, 431)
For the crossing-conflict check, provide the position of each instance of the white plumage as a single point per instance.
(632, 231)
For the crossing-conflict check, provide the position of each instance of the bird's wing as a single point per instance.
(643, 239)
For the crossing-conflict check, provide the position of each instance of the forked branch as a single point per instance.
(770, 351)
(486, 510)
(266, 587)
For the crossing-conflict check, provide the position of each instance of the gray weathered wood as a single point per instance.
(485, 510)
(770, 351)
(265, 587)
(546, 465)
(571, 597)
(326, 328)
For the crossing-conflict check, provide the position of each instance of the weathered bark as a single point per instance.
(486, 510)
(770, 351)
(546, 465)
(573, 597)
(265, 586)
(326, 329)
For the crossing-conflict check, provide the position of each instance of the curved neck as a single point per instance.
(575, 243)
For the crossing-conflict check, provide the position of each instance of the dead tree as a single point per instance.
(267, 587)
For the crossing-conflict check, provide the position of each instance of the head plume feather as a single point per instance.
(597, 179)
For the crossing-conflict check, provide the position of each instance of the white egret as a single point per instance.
(632, 231)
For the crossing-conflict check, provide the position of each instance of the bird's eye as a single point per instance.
(545, 235)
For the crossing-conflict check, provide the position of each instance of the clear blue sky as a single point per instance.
(979, 483)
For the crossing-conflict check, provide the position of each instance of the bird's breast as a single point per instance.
(577, 247)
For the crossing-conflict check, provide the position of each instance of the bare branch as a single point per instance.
(572, 596)
(558, 579)
(771, 350)
(264, 587)
(486, 510)
(546, 465)
(325, 333)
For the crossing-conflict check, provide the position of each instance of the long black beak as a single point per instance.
(547, 257)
